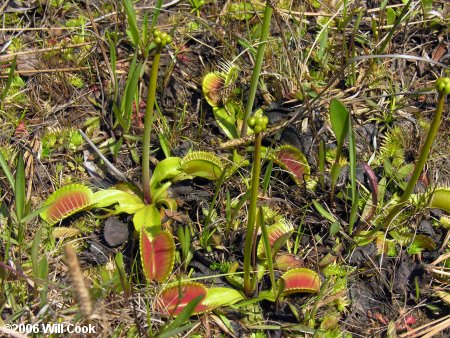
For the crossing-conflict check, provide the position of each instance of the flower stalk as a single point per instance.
(258, 124)
(160, 39)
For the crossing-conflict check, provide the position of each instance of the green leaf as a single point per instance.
(7, 172)
(353, 183)
(324, 212)
(323, 43)
(147, 217)
(390, 16)
(132, 22)
(67, 201)
(405, 171)
(129, 94)
(220, 296)
(226, 119)
(35, 251)
(118, 259)
(9, 79)
(128, 203)
(166, 169)
(165, 145)
(19, 191)
(420, 243)
(339, 121)
(156, 12)
(441, 199)
(42, 271)
(176, 297)
(157, 253)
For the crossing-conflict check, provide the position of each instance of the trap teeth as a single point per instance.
(115, 232)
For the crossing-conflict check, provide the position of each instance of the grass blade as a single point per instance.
(156, 12)
(132, 22)
(353, 183)
(9, 80)
(9, 176)
(19, 192)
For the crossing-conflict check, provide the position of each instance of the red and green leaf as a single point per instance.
(174, 298)
(218, 297)
(157, 254)
(294, 161)
(301, 280)
(278, 233)
(286, 261)
(66, 201)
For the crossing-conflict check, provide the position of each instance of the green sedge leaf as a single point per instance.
(67, 201)
(9, 80)
(157, 254)
(19, 191)
(339, 121)
(7, 172)
(174, 298)
(132, 22)
(301, 280)
(324, 212)
(390, 16)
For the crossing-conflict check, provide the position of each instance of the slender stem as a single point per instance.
(256, 170)
(268, 250)
(434, 127)
(148, 120)
(257, 68)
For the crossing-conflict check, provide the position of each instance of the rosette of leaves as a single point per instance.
(219, 87)
(157, 247)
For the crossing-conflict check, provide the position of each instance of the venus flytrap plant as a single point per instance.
(157, 246)
(443, 89)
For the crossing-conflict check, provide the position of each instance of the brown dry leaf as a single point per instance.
(439, 52)
(27, 62)
(65, 232)
(177, 216)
